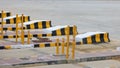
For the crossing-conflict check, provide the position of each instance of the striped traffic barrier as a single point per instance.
(63, 31)
(12, 19)
(5, 14)
(55, 32)
(38, 24)
(93, 37)
(35, 24)
(37, 45)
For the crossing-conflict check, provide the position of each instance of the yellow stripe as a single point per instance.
(7, 47)
(52, 44)
(40, 25)
(31, 35)
(97, 37)
(4, 15)
(10, 36)
(39, 35)
(49, 35)
(65, 30)
(47, 24)
(11, 20)
(9, 28)
(89, 40)
(19, 19)
(25, 18)
(0, 28)
(41, 45)
(105, 37)
(1, 37)
(32, 26)
(58, 32)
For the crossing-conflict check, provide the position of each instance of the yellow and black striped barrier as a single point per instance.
(38, 45)
(63, 31)
(5, 14)
(32, 25)
(12, 19)
(97, 38)
(38, 24)
(58, 32)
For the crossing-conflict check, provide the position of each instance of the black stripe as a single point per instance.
(43, 24)
(14, 36)
(14, 20)
(28, 26)
(36, 45)
(7, 21)
(54, 33)
(13, 28)
(50, 24)
(0, 15)
(5, 36)
(5, 29)
(35, 35)
(25, 36)
(8, 14)
(71, 30)
(93, 38)
(62, 31)
(44, 35)
(2, 47)
(47, 45)
(28, 18)
(85, 40)
(36, 25)
(78, 42)
(102, 37)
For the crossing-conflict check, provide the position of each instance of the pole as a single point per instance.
(22, 31)
(2, 23)
(16, 28)
(67, 50)
(57, 47)
(74, 41)
(63, 44)
(28, 40)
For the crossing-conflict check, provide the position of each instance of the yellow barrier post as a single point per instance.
(74, 41)
(57, 47)
(67, 50)
(2, 15)
(63, 45)
(22, 31)
(16, 28)
(28, 39)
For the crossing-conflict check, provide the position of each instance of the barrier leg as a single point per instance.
(28, 39)
(63, 45)
(22, 31)
(16, 28)
(67, 50)
(2, 23)
(74, 41)
(57, 47)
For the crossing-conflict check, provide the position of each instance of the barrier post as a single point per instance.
(28, 39)
(22, 31)
(74, 41)
(67, 50)
(57, 47)
(16, 28)
(2, 15)
(63, 45)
